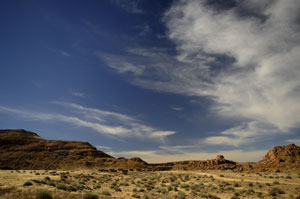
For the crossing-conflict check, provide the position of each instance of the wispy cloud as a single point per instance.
(177, 108)
(131, 6)
(144, 30)
(248, 65)
(161, 134)
(64, 53)
(121, 64)
(104, 122)
(241, 135)
(105, 148)
(78, 94)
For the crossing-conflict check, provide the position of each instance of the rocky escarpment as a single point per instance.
(20, 149)
(280, 158)
(219, 163)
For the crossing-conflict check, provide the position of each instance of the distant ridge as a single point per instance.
(21, 149)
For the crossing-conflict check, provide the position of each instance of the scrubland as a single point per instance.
(87, 184)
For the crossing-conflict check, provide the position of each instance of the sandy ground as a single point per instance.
(167, 184)
(236, 177)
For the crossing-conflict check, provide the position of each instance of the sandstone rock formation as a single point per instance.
(281, 158)
(20, 149)
(219, 163)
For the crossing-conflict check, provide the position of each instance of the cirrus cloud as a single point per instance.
(105, 122)
(245, 58)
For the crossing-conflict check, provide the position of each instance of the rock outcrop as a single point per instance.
(20, 149)
(219, 163)
(281, 158)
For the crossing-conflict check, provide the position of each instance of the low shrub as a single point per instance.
(52, 184)
(274, 191)
(90, 196)
(275, 182)
(106, 193)
(44, 195)
(180, 195)
(72, 188)
(62, 187)
(47, 178)
(28, 183)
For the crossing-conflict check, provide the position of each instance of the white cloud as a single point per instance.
(104, 122)
(161, 135)
(244, 134)
(263, 83)
(95, 113)
(160, 156)
(106, 148)
(247, 64)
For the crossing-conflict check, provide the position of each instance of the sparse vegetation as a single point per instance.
(275, 191)
(62, 187)
(90, 196)
(167, 185)
(106, 193)
(44, 195)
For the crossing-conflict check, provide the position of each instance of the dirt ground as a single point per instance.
(86, 184)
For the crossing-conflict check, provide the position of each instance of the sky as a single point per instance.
(162, 80)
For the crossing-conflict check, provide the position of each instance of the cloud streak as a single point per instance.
(104, 122)
(175, 108)
(241, 135)
(130, 6)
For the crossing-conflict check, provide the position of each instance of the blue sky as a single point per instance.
(161, 80)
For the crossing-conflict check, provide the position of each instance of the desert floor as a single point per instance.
(86, 184)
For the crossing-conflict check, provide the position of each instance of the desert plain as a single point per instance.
(92, 184)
